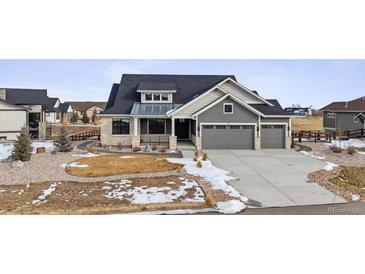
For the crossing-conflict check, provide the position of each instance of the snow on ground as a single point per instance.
(76, 164)
(361, 152)
(217, 178)
(355, 197)
(174, 211)
(86, 155)
(127, 157)
(6, 149)
(348, 143)
(151, 195)
(45, 193)
(329, 166)
(312, 155)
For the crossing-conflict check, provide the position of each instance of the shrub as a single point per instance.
(205, 156)
(196, 153)
(210, 200)
(136, 149)
(120, 146)
(154, 148)
(63, 142)
(351, 150)
(163, 149)
(93, 118)
(336, 149)
(195, 158)
(85, 119)
(22, 149)
(199, 164)
(91, 149)
(74, 118)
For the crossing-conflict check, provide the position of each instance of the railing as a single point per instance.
(312, 136)
(86, 135)
(355, 133)
(154, 140)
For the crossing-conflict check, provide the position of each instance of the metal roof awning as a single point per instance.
(140, 109)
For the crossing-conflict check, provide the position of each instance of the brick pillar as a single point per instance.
(257, 143)
(172, 142)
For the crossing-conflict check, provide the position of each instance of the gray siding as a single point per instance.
(240, 114)
(345, 120)
(328, 122)
(274, 120)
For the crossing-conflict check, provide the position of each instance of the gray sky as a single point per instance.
(305, 82)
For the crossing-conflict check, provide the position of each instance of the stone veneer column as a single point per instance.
(172, 142)
(136, 141)
(258, 143)
(42, 130)
(288, 142)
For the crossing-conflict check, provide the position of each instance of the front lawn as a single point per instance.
(134, 195)
(109, 165)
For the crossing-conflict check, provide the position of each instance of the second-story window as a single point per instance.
(156, 97)
(148, 96)
(164, 97)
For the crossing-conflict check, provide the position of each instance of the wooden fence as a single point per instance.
(86, 135)
(312, 136)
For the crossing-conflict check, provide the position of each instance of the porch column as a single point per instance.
(135, 126)
(172, 126)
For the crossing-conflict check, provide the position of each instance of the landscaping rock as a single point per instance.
(147, 148)
(17, 164)
(41, 150)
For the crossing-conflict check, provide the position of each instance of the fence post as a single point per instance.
(362, 132)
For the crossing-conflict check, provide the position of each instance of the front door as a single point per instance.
(182, 129)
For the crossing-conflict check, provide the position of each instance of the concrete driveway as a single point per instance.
(274, 177)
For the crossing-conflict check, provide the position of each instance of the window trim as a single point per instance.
(331, 115)
(224, 108)
(167, 97)
(148, 126)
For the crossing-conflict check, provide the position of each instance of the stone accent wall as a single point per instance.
(136, 141)
(288, 142)
(108, 139)
(198, 143)
(3, 94)
(172, 142)
(257, 143)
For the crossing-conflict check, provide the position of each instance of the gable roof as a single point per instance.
(347, 106)
(19, 96)
(83, 106)
(123, 96)
(63, 107)
(50, 105)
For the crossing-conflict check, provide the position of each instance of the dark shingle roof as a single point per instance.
(123, 96)
(49, 106)
(270, 110)
(63, 107)
(275, 102)
(354, 105)
(156, 86)
(152, 109)
(26, 96)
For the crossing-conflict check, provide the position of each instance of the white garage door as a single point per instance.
(228, 136)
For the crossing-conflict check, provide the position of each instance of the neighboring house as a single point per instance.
(39, 107)
(66, 112)
(12, 119)
(346, 115)
(53, 114)
(87, 107)
(211, 111)
(299, 111)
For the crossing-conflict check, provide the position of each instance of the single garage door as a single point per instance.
(273, 136)
(228, 136)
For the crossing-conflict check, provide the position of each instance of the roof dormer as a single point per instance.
(156, 92)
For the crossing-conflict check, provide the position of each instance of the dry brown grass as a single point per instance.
(70, 198)
(109, 165)
(351, 179)
(307, 123)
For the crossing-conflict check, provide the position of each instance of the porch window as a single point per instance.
(156, 126)
(121, 126)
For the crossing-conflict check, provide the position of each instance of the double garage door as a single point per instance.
(228, 136)
(241, 136)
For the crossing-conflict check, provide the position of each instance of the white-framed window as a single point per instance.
(156, 97)
(227, 108)
(356, 119)
(331, 115)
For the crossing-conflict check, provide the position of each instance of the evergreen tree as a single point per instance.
(93, 118)
(22, 148)
(85, 119)
(63, 142)
(75, 117)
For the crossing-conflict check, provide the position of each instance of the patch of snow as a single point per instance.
(127, 157)
(174, 211)
(151, 195)
(329, 166)
(361, 152)
(355, 197)
(2, 190)
(77, 164)
(347, 143)
(48, 145)
(5, 151)
(86, 155)
(217, 178)
(312, 155)
(230, 207)
(45, 193)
